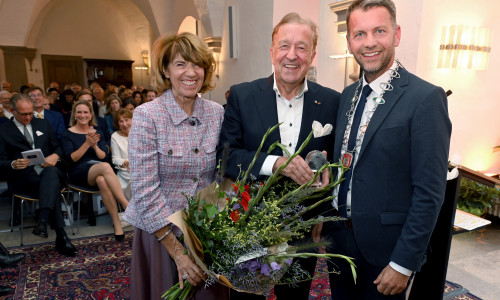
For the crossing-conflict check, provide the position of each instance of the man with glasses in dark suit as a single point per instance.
(44, 181)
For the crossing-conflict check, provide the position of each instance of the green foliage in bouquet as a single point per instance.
(476, 198)
(245, 239)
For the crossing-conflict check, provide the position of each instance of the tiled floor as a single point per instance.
(474, 259)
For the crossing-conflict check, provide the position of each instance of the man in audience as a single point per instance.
(101, 123)
(55, 118)
(75, 87)
(53, 85)
(5, 100)
(284, 97)
(150, 95)
(44, 181)
(98, 94)
(6, 86)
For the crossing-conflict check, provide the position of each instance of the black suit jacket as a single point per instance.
(251, 110)
(13, 142)
(399, 179)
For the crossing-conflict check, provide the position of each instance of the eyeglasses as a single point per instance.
(36, 95)
(24, 114)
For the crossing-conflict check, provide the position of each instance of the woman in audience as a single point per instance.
(113, 104)
(84, 148)
(129, 104)
(137, 96)
(172, 151)
(119, 149)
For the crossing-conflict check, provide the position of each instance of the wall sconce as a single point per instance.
(464, 47)
(215, 44)
(145, 61)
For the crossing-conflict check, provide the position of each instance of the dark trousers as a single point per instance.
(46, 187)
(342, 285)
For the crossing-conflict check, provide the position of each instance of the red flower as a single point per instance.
(247, 188)
(236, 187)
(245, 198)
(235, 216)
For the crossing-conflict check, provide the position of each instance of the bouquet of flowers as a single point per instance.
(239, 232)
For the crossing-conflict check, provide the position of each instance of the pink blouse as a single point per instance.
(170, 153)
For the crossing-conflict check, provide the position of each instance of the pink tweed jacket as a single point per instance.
(170, 153)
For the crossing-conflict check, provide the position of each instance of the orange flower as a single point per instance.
(235, 216)
(245, 198)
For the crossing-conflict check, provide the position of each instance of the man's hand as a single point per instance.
(316, 236)
(50, 160)
(21, 163)
(391, 282)
(297, 169)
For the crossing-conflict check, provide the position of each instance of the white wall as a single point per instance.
(254, 23)
(474, 105)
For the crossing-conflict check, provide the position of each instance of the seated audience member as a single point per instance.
(54, 92)
(137, 96)
(65, 101)
(98, 94)
(24, 89)
(8, 260)
(53, 85)
(76, 88)
(101, 123)
(46, 103)
(150, 95)
(85, 149)
(5, 101)
(55, 118)
(119, 149)
(125, 93)
(45, 181)
(114, 103)
(129, 104)
(6, 86)
(53, 96)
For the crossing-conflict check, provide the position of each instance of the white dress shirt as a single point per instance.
(290, 115)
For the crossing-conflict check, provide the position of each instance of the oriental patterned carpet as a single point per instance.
(101, 271)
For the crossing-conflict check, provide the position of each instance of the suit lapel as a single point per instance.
(36, 128)
(17, 135)
(309, 113)
(390, 97)
(265, 105)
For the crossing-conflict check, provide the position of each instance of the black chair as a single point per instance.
(33, 200)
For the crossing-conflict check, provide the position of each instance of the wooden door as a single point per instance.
(62, 69)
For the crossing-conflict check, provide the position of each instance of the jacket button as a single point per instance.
(170, 152)
(196, 150)
(195, 179)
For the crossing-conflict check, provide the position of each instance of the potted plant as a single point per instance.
(476, 198)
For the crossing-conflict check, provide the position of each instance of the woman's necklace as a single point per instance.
(348, 156)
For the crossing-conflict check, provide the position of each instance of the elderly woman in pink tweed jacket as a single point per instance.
(171, 151)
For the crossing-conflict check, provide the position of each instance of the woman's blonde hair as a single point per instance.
(72, 121)
(191, 48)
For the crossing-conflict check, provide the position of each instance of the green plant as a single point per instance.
(476, 198)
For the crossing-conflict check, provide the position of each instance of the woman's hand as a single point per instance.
(125, 165)
(92, 138)
(186, 265)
